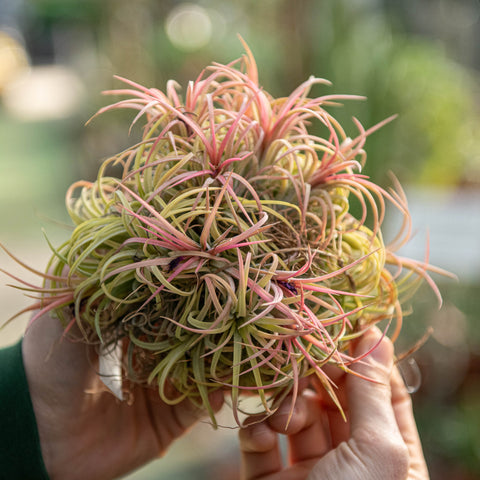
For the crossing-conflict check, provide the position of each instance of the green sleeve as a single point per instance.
(20, 452)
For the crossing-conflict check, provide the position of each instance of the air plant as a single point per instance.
(226, 255)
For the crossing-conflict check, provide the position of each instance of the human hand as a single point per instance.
(85, 432)
(379, 440)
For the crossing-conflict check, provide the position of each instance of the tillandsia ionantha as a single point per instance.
(225, 255)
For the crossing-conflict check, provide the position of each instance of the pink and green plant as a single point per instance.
(226, 254)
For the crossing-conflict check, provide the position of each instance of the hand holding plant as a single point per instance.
(379, 440)
(85, 432)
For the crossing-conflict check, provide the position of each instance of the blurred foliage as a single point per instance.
(45, 153)
(352, 43)
(62, 11)
(446, 405)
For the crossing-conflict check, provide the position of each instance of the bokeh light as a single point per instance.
(44, 93)
(189, 27)
(13, 59)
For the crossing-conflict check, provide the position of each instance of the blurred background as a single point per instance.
(418, 59)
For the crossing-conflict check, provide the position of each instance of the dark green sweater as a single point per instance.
(20, 452)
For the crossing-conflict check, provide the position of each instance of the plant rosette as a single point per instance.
(226, 254)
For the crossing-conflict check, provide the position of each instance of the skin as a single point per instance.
(85, 432)
(379, 440)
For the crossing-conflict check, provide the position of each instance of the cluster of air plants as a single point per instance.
(225, 255)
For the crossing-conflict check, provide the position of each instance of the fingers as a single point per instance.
(375, 449)
(339, 428)
(402, 406)
(371, 395)
(375, 439)
(307, 432)
(380, 439)
(307, 429)
(260, 451)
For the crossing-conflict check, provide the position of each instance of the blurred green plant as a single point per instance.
(360, 51)
(353, 44)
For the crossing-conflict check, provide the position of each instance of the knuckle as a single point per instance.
(378, 372)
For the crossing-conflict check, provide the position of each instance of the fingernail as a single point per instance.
(216, 399)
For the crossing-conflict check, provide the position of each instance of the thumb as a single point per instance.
(375, 449)
(371, 394)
